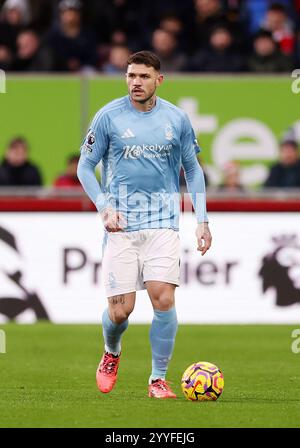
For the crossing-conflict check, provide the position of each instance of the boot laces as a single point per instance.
(109, 364)
(161, 384)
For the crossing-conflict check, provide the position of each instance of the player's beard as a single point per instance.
(144, 100)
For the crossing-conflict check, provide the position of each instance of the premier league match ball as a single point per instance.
(202, 381)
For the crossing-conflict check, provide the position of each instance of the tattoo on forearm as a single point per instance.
(115, 300)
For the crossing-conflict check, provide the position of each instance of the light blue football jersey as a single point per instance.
(141, 154)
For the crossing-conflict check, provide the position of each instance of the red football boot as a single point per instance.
(106, 375)
(160, 389)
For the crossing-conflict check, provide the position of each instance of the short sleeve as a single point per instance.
(189, 144)
(96, 141)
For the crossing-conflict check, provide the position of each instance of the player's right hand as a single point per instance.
(113, 220)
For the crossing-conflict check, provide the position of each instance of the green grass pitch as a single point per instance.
(48, 378)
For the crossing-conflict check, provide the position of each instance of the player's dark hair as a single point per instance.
(145, 57)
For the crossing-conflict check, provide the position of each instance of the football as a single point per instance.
(202, 381)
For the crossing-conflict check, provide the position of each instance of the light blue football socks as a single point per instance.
(162, 336)
(112, 333)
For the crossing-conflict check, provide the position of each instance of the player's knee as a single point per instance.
(120, 315)
(164, 302)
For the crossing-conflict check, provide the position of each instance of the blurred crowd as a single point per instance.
(17, 170)
(259, 36)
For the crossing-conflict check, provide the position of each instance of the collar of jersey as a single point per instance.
(140, 113)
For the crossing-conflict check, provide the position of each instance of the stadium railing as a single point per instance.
(73, 200)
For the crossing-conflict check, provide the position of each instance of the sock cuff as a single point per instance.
(107, 320)
(156, 377)
(166, 315)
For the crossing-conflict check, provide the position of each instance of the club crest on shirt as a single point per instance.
(169, 131)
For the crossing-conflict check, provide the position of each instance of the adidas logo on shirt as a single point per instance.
(128, 134)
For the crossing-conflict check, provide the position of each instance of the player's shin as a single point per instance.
(162, 336)
(112, 333)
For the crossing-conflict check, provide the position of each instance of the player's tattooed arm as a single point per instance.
(115, 300)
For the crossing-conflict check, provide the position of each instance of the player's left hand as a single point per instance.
(203, 237)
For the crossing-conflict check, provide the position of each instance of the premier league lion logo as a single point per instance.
(280, 270)
(91, 139)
